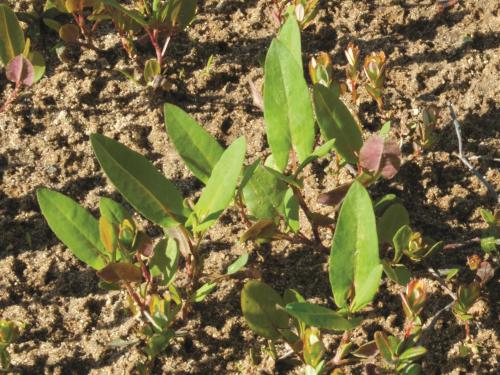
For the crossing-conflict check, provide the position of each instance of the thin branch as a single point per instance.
(464, 160)
(460, 245)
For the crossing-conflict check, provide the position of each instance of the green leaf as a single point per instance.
(202, 293)
(136, 16)
(397, 272)
(260, 305)
(320, 317)
(238, 264)
(151, 69)
(262, 230)
(452, 272)
(289, 35)
(286, 179)
(288, 111)
(179, 13)
(354, 259)
(38, 62)
(413, 353)
(391, 221)
(199, 150)
(320, 152)
(11, 35)
(264, 194)
(401, 241)
(74, 226)
(383, 345)
(336, 122)
(221, 185)
(165, 260)
(146, 189)
(411, 369)
(113, 211)
(291, 211)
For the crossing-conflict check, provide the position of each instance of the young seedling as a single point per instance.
(490, 239)
(467, 296)
(425, 136)
(22, 66)
(125, 257)
(86, 14)
(355, 272)
(352, 70)
(263, 309)
(374, 69)
(304, 11)
(321, 69)
(9, 333)
(160, 20)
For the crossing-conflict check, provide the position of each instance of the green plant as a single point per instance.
(159, 19)
(355, 272)
(304, 11)
(374, 68)
(23, 67)
(400, 354)
(263, 309)
(86, 14)
(467, 296)
(425, 136)
(490, 239)
(352, 70)
(9, 333)
(125, 257)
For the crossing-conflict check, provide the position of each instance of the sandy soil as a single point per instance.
(433, 58)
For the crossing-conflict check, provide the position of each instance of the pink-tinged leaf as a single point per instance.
(335, 196)
(391, 159)
(381, 156)
(370, 154)
(20, 71)
(485, 272)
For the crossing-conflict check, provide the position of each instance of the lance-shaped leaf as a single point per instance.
(261, 308)
(289, 35)
(354, 260)
(320, 317)
(288, 111)
(264, 193)
(11, 35)
(146, 189)
(393, 218)
(20, 71)
(179, 13)
(238, 264)
(199, 150)
(74, 226)
(221, 185)
(136, 16)
(113, 211)
(336, 122)
(165, 260)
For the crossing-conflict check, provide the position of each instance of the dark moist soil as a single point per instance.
(433, 58)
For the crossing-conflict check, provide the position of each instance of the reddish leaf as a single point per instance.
(485, 272)
(335, 196)
(381, 156)
(115, 272)
(20, 71)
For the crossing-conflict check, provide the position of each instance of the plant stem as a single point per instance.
(460, 245)
(307, 212)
